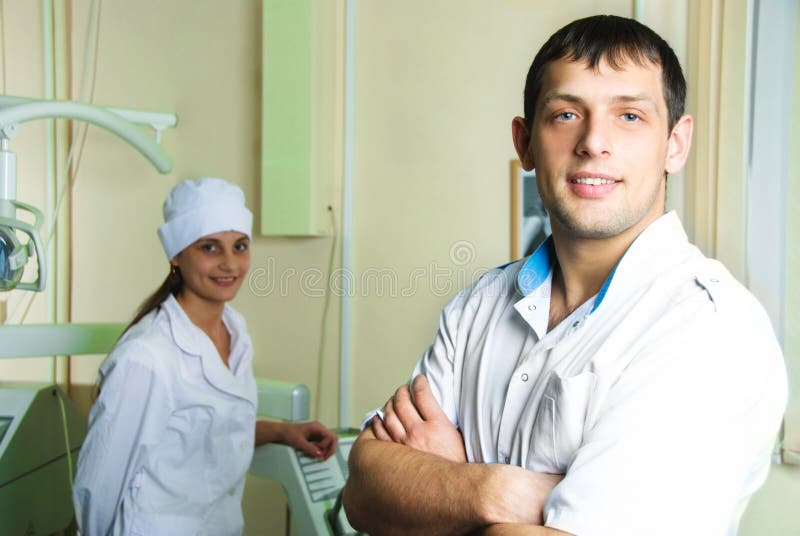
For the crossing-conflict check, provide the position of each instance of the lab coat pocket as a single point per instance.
(560, 421)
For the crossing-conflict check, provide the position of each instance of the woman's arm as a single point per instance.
(313, 438)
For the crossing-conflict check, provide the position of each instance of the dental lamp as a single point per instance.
(14, 254)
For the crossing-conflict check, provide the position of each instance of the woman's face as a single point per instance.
(214, 266)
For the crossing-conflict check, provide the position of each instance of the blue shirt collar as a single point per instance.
(537, 268)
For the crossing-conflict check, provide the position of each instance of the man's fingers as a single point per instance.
(392, 423)
(379, 429)
(404, 408)
(425, 402)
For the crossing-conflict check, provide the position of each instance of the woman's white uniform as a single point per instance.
(171, 435)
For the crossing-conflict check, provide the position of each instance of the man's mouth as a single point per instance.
(593, 181)
(592, 184)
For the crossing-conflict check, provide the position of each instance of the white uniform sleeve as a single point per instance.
(438, 362)
(126, 420)
(682, 440)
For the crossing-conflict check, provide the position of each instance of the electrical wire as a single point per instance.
(66, 435)
(324, 321)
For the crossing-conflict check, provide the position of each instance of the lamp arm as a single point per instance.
(91, 114)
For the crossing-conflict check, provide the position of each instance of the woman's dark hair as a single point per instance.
(171, 285)
(616, 40)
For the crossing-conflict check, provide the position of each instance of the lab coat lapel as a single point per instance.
(657, 250)
(193, 341)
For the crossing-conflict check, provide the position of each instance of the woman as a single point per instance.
(171, 433)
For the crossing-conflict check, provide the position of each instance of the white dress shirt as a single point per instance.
(659, 398)
(171, 435)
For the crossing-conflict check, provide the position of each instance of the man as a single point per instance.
(616, 382)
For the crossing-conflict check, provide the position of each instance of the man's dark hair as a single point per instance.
(616, 40)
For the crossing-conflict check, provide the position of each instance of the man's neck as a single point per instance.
(581, 268)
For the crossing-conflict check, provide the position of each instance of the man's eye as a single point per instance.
(630, 117)
(565, 116)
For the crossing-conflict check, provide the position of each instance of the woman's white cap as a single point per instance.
(196, 208)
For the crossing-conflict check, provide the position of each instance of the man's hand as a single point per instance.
(419, 423)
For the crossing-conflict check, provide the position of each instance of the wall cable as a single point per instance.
(70, 469)
(325, 312)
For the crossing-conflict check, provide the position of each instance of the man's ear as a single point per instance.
(678, 145)
(522, 141)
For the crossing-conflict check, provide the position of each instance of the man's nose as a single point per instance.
(595, 139)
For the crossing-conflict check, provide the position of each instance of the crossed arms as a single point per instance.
(409, 475)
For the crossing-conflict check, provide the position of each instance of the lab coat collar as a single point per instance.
(659, 248)
(662, 239)
(537, 268)
(193, 341)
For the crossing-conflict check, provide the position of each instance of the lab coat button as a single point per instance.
(508, 459)
(531, 307)
(524, 377)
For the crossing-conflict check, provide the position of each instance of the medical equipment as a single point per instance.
(41, 430)
(313, 487)
(14, 254)
(35, 491)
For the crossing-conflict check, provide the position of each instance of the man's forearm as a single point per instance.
(394, 489)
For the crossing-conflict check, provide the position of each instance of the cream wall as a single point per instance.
(436, 89)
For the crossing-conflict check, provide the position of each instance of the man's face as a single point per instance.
(601, 147)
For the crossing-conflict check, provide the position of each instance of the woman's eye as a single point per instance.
(207, 247)
(242, 246)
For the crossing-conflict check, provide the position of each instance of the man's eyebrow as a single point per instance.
(635, 99)
(617, 99)
(574, 99)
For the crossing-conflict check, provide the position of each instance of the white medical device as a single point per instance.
(313, 487)
(39, 426)
(14, 253)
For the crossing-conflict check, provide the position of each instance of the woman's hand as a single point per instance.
(312, 438)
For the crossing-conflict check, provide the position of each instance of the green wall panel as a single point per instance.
(287, 186)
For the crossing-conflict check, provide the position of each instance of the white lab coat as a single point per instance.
(171, 435)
